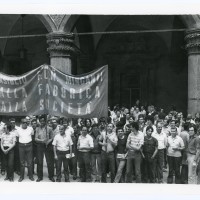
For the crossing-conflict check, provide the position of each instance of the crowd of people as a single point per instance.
(130, 145)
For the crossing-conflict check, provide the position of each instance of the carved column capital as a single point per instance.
(60, 44)
(192, 38)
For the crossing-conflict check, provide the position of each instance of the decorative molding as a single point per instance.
(57, 20)
(192, 39)
(61, 44)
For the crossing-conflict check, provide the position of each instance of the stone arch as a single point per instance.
(191, 21)
(47, 22)
(69, 22)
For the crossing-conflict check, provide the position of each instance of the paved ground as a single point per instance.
(45, 176)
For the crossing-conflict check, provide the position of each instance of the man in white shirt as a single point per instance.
(25, 149)
(84, 146)
(175, 145)
(62, 153)
(162, 141)
(69, 131)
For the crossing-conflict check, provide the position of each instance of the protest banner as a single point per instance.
(46, 90)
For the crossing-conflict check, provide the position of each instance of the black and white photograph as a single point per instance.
(95, 98)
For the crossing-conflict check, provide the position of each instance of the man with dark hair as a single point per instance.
(141, 122)
(108, 143)
(121, 156)
(150, 149)
(62, 153)
(43, 138)
(184, 169)
(25, 149)
(134, 145)
(193, 153)
(96, 154)
(14, 129)
(85, 145)
(34, 126)
(150, 122)
(175, 145)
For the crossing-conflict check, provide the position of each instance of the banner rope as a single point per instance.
(97, 33)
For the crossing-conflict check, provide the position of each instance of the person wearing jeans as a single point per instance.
(62, 145)
(8, 140)
(25, 149)
(85, 145)
(175, 145)
(121, 156)
(134, 145)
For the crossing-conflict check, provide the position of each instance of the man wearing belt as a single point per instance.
(25, 149)
(193, 150)
(85, 145)
(162, 141)
(108, 143)
(134, 145)
(175, 145)
(62, 145)
(43, 138)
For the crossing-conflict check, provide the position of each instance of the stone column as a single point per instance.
(192, 39)
(62, 51)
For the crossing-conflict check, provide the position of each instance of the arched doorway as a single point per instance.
(35, 47)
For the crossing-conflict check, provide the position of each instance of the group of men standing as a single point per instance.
(138, 150)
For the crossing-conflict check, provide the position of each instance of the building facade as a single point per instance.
(154, 58)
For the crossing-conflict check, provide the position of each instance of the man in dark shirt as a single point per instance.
(193, 151)
(150, 149)
(96, 154)
(121, 156)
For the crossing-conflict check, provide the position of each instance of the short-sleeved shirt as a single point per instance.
(8, 139)
(121, 145)
(134, 140)
(2, 129)
(86, 141)
(162, 139)
(69, 131)
(25, 135)
(149, 147)
(43, 133)
(62, 143)
(176, 142)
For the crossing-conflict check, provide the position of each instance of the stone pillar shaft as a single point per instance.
(62, 51)
(192, 39)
